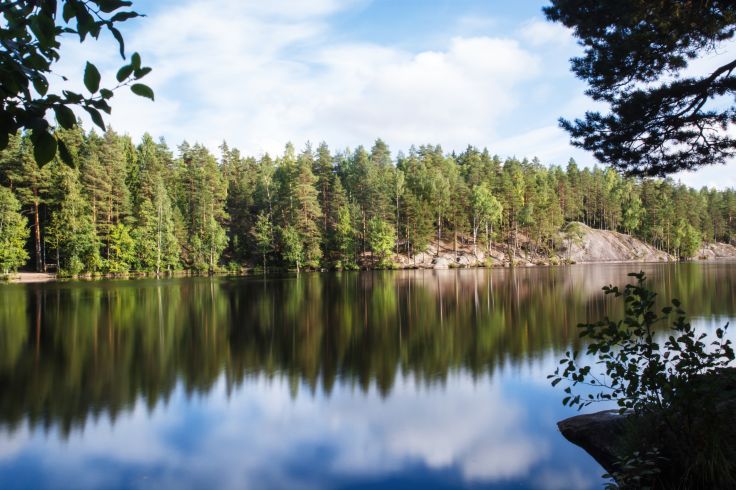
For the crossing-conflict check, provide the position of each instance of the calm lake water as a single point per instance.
(416, 379)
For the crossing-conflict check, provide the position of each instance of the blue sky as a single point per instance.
(490, 73)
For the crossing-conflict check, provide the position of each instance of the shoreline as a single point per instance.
(45, 277)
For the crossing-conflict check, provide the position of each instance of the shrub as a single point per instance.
(670, 390)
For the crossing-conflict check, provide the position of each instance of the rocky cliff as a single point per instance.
(586, 245)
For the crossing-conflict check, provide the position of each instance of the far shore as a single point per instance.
(41, 277)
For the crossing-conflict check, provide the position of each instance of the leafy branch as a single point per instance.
(29, 46)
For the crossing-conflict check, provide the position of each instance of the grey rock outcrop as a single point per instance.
(598, 433)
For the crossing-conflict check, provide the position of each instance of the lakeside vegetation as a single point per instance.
(124, 207)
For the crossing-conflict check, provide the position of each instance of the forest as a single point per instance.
(124, 207)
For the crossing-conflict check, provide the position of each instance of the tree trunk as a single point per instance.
(454, 236)
(364, 232)
(475, 237)
(37, 233)
(397, 224)
(439, 232)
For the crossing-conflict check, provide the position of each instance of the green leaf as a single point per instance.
(37, 62)
(85, 22)
(44, 147)
(123, 16)
(142, 72)
(106, 93)
(102, 105)
(65, 116)
(65, 155)
(142, 90)
(108, 6)
(68, 12)
(135, 61)
(41, 85)
(124, 72)
(119, 38)
(96, 117)
(91, 78)
(72, 97)
(44, 29)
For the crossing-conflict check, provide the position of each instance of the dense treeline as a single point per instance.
(126, 207)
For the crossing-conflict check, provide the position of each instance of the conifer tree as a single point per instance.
(29, 183)
(71, 233)
(307, 210)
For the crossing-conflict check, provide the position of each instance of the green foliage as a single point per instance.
(308, 211)
(381, 236)
(632, 210)
(487, 211)
(640, 470)
(292, 247)
(31, 39)
(687, 239)
(13, 233)
(157, 246)
(71, 232)
(663, 379)
(203, 196)
(122, 250)
(637, 61)
(263, 236)
(344, 239)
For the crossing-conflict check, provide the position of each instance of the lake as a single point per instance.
(410, 379)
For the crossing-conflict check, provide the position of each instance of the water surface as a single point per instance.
(412, 379)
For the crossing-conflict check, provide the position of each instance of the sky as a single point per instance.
(258, 74)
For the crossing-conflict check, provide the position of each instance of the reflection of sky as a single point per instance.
(477, 433)
(482, 433)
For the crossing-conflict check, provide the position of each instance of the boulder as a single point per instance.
(441, 263)
(598, 433)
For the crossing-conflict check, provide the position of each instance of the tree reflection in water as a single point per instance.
(71, 351)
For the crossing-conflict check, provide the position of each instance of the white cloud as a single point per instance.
(262, 74)
(542, 33)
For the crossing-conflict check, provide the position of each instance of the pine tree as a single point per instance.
(22, 174)
(307, 210)
(71, 232)
(157, 244)
(204, 193)
(323, 170)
